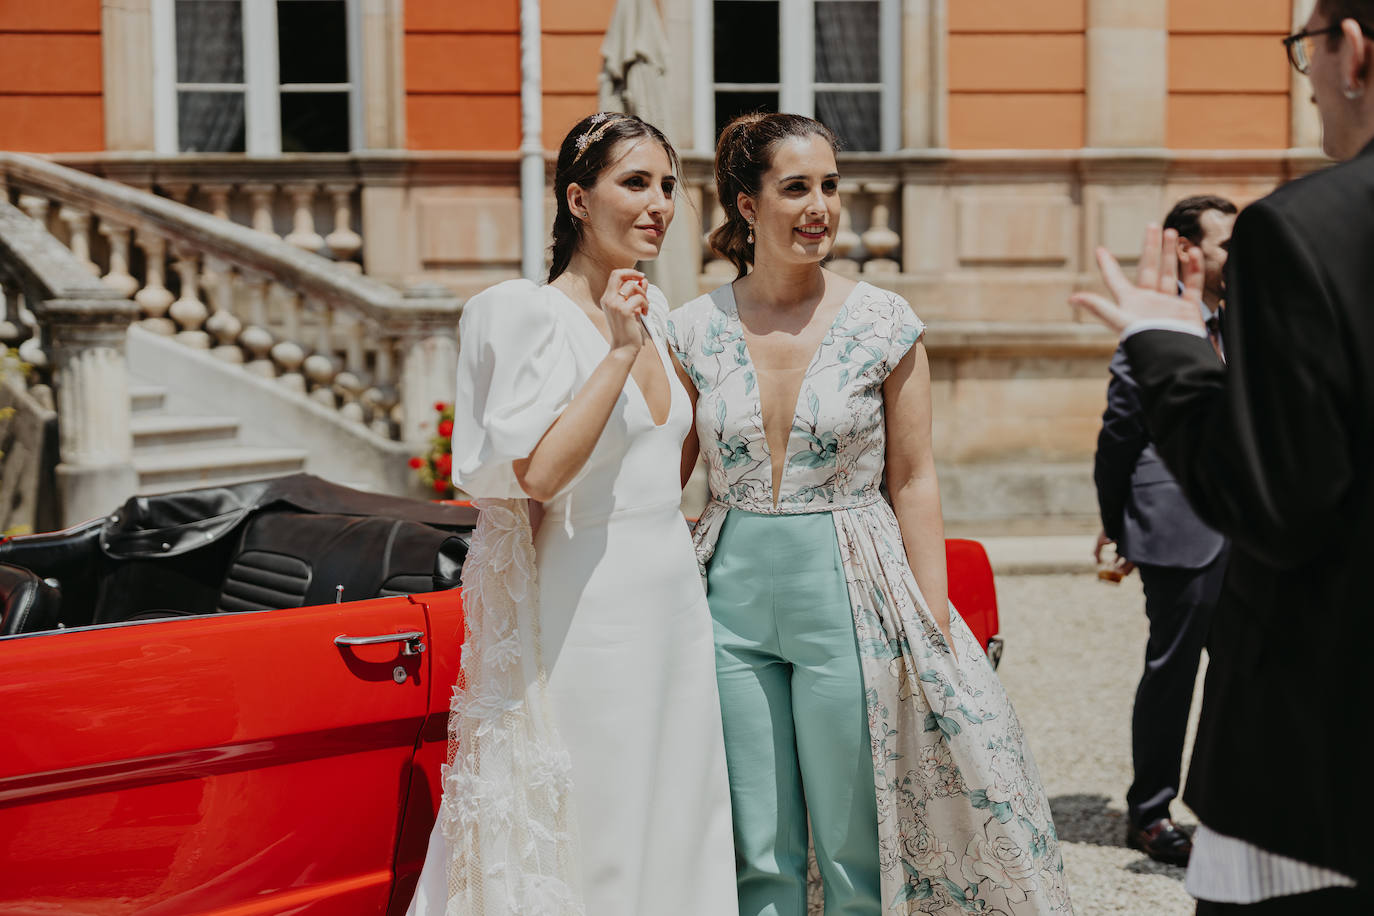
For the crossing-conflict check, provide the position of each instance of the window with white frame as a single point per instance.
(835, 60)
(256, 76)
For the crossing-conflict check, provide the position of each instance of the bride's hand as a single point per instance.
(625, 300)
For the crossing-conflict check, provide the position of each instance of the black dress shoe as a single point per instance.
(1161, 841)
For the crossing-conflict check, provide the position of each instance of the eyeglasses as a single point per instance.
(1301, 45)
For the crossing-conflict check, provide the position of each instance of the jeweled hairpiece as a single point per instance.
(600, 121)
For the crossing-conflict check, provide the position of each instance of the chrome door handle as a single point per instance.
(414, 641)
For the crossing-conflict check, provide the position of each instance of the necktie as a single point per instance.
(1214, 335)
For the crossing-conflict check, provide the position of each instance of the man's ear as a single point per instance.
(1184, 246)
(1355, 57)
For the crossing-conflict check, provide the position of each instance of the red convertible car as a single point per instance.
(227, 701)
(234, 700)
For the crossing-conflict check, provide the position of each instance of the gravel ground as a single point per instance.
(1075, 649)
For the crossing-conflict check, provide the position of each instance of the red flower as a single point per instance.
(445, 427)
(439, 406)
(417, 463)
(440, 486)
(444, 464)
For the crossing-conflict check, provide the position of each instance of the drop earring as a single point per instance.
(750, 239)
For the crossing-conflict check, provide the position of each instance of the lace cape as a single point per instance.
(505, 813)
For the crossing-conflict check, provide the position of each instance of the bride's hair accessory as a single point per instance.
(601, 121)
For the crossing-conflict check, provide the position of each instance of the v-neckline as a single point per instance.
(774, 491)
(630, 379)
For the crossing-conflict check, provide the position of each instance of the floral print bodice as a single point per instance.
(836, 447)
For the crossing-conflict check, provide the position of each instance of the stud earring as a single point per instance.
(1353, 91)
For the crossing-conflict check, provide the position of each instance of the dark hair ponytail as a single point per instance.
(743, 153)
(584, 153)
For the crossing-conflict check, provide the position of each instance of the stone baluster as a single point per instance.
(117, 239)
(188, 311)
(223, 325)
(303, 234)
(349, 383)
(78, 224)
(218, 197)
(287, 353)
(344, 244)
(880, 239)
(155, 298)
(35, 207)
(13, 330)
(320, 366)
(260, 198)
(179, 191)
(428, 339)
(381, 398)
(846, 239)
(256, 338)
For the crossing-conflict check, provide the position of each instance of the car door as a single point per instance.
(237, 763)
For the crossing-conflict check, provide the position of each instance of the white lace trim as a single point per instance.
(507, 786)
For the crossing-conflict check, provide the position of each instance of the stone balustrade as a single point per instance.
(72, 327)
(271, 305)
(313, 203)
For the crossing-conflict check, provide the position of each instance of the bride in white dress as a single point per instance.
(587, 770)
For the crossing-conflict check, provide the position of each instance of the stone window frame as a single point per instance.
(797, 85)
(262, 87)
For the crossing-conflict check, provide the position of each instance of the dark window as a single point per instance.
(312, 41)
(847, 41)
(314, 122)
(746, 41)
(855, 117)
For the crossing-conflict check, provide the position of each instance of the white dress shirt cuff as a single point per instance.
(1162, 324)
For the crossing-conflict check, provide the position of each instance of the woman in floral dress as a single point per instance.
(853, 698)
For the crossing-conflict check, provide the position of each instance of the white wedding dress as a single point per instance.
(589, 774)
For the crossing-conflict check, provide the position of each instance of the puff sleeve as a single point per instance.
(516, 374)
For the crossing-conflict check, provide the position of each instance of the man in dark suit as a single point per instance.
(1275, 449)
(1181, 560)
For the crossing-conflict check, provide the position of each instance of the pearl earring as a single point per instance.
(750, 239)
(1353, 91)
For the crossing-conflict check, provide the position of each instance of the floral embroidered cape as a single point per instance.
(963, 822)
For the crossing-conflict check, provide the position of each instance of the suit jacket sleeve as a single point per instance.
(1259, 445)
(1119, 444)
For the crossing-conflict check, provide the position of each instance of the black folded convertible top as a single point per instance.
(174, 523)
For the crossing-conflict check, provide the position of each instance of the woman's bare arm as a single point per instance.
(569, 442)
(911, 481)
(691, 446)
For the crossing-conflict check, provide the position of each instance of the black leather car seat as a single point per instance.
(27, 603)
(289, 559)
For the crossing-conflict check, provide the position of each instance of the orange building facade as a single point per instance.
(991, 145)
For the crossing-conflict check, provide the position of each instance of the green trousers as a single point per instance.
(796, 726)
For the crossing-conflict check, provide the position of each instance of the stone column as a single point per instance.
(126, 44)
(1128, 73)
(428, 335)
(925, 78)
(92, 383)
(1305, 128)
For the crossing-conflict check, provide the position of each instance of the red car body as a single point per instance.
(236, 764)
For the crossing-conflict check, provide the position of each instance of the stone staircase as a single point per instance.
(178, 451)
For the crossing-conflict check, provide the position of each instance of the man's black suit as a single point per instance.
(1276, 450)
(1181, 563)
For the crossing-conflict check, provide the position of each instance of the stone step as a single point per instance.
(147, 398)
(158, 432)
(178, 469)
